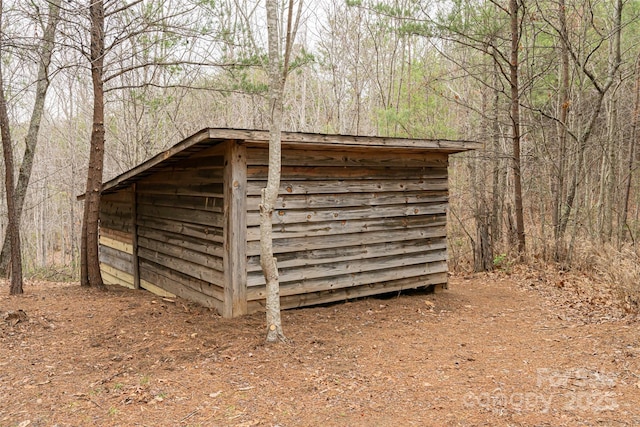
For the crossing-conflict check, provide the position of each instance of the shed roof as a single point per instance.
(209, 137)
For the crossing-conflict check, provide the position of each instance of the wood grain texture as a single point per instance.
(356, 287)
(134, 237)
(119, 245)
(355, 216)
(352, 267)
(235, 231)
(182, 285)
(354, 157)
(117, 259)
(114, 276)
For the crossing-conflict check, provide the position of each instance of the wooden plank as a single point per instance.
(322, 297)
(183, 280)
(177, 188)
(201, 160)
(186, 267)
(286, 216)
(209, 137)
(350, 280)
(235, 215)
(115, 234)
(122, 278)
(124, 178)
(116, 259)
(115, 209)
(134, 234)
(181, 252)
(212, 219)
(348, 186)
(116, 226)
(214, 204)
(353, 157)
(308, 201)
(332, 228)
(121, 222)
(203, 176)
(204, 232)
(182, 285)
(368, 141)
(363, 252)
(125, 247)
(341, 240)
(215, 150)
(121, 196)
(351, 267)
(109, 279)
(306, 173)
(157, 290)
(120, 215)
(183, 241)
(301, 139)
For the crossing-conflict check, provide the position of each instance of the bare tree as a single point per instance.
(514, 12)
(31, 140)
(601, 87)
(623, 227)
(13, 229)
(90, 262)
(278, 67)
(130, 21)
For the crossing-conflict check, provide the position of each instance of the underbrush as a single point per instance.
(602, 267)
(617, 268)
(52, 273)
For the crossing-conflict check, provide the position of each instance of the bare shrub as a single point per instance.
(616, 269)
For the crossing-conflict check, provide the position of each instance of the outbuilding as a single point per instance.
(356, 216)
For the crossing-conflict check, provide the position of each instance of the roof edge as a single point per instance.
(218, 135)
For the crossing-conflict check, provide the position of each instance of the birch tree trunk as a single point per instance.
(270, 192)
(31, 139)
(277, 69)
(13, 228)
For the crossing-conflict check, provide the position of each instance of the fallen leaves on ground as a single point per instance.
(533, 347)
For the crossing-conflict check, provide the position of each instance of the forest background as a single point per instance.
(551, 87)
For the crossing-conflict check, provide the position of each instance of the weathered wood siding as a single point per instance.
(349, 223)
(180, 221)
(116, 238)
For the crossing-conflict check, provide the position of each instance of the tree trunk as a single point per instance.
(13, 228)
(608, 174)
(515, 122)
(90, 271)
(623, 227)
(483, 248)
(496, 193)
(270, 192)
(563, 106)
(482, 251)
(31, 139)
(602, 89)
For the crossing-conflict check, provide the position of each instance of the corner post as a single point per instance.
(134, 237)
(235, 229)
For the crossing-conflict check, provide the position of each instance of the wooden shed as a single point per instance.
(356, 216)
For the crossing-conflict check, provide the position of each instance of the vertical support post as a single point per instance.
(134, 236)
(235, 230)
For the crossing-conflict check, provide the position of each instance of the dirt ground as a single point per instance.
(529, 348)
